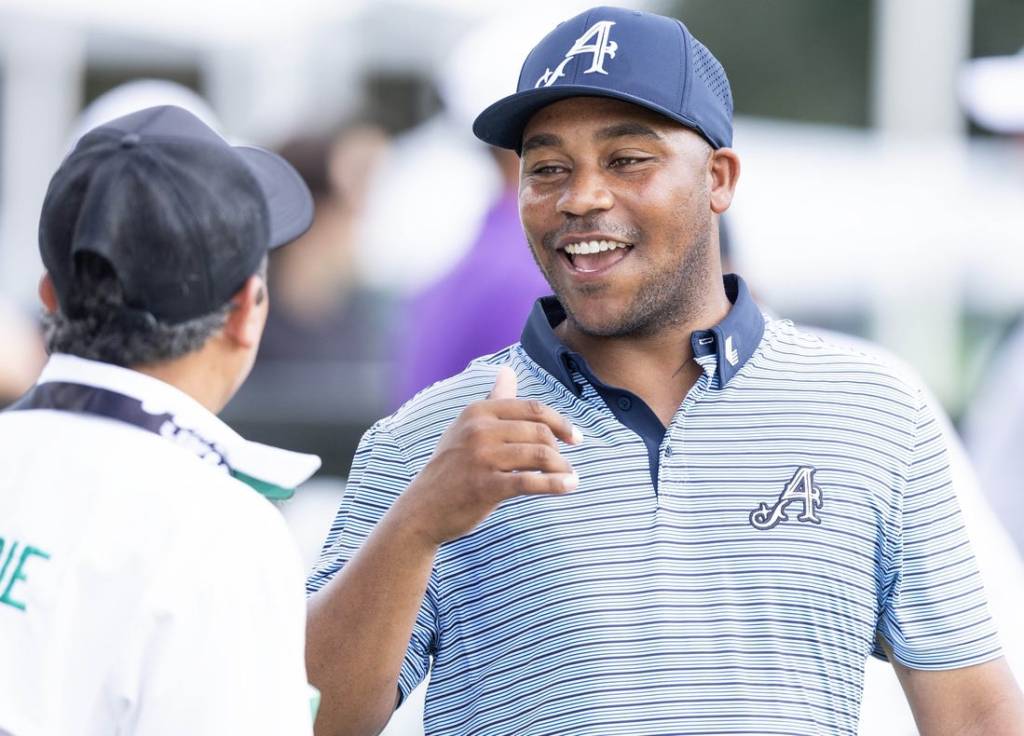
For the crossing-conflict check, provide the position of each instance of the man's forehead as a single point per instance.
(595, 117)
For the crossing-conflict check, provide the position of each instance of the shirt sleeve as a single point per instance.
(380, 473)
(934, 615)
(223, 650)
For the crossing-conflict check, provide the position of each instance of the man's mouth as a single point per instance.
(591, 256)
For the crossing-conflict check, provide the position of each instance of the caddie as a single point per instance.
(147, 584)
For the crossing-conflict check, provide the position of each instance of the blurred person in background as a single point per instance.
(328, 328)
(147, 586)
(992, 91)
(322, 311)
(648, 578)
(471, 278)
(138, 94)
(429, 167)
(22, 352)
(480, 305)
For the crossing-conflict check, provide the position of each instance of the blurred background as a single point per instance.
(882, 195)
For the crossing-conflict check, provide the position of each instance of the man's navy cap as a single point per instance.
(182, 217)
(642, 58)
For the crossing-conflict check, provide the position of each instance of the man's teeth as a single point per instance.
(593, 246)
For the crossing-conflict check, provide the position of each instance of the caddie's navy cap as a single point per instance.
(182, 217)
(642, 58)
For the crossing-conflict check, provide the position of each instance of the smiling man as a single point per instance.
(746, 515)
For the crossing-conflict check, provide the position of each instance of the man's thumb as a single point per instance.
(504, 384)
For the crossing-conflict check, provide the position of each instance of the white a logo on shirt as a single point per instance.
(800, 489)
(595, 41)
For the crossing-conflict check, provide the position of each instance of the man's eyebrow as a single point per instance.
(540, 140)
(625, 129)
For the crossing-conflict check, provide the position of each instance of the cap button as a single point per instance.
(130, 140)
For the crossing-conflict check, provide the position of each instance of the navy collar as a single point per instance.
(732, 341)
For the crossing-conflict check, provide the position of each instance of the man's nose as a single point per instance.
(586, 191)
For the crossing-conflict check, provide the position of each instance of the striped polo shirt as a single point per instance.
(727, 574)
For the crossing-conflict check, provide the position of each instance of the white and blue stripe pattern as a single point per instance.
(629, 607)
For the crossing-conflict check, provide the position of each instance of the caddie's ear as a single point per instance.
(248, 313)
(48, 294)
(724, 172)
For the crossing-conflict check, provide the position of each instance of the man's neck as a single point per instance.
(194, 375)
(659, 367)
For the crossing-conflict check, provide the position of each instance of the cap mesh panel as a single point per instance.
(709, 71)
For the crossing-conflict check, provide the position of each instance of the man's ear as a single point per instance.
(48, 294)
(724, 170)
(248, 314)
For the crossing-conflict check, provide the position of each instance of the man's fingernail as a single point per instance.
(571, 481)
(577, 436)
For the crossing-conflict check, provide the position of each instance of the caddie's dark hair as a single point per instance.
(94, 322)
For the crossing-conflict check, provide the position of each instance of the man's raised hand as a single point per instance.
(497, 448)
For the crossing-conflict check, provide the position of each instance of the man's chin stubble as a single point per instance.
(651, 310)
(637, 321)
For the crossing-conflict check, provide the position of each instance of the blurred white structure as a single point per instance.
(839, 221)
(919, 46)
(991, 92)
(138, 95)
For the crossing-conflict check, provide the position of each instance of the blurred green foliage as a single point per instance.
(811, 59)
(796, 59)
(998, 27)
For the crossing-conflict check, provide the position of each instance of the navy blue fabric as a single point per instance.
(733, 341)
(642, 58)
(81, 399)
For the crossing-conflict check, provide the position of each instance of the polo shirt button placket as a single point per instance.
(674, 435)
(666, 456)
(663, 487)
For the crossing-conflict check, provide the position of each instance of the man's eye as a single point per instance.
(548, 170)
(625, 161)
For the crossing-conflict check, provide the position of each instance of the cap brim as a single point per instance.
(502, 123)
(288, 199)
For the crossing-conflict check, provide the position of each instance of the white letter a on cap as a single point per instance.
(595, 41)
